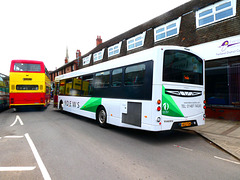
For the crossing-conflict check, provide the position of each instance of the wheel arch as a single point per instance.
(98, 108)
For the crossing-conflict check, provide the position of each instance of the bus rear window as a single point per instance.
(27, 67)
(182, 67)
(27, 87)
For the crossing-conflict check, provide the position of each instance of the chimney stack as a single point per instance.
(78, 54)
(98, 40)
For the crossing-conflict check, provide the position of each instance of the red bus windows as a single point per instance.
(134, 75)
(87, 88)
(117, 77)
(102, 79)
(27, 67)
(76, 86)
(27, 87)
(62, 87)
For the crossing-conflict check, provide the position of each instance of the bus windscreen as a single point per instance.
(27, 67)
(182, 67)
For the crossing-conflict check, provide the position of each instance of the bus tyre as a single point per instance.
(102, 117)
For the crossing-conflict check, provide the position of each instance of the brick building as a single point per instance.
(67, 67)
(210, 27)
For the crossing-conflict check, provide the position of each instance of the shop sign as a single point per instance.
(222, 48)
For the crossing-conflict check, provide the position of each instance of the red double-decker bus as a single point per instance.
(29, 84)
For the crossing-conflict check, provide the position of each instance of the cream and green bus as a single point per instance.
(161, 88)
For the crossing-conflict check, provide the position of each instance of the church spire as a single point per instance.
(67, 57)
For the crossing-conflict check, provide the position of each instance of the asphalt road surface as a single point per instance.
(48, 144)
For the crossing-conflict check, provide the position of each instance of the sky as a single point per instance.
(43, 29)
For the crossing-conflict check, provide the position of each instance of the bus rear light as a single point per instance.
(12, 100)
(41, 100)
(158, 108)
(204, 107)
(158, 101)
(204, 101)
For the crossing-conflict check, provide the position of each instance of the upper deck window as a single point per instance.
(167, 30)
(216, 12)
(98, 55)
(27, 67)
(136, 41)
(114, 50)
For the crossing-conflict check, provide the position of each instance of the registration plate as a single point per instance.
(186, 124)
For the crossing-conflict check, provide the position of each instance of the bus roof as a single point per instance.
(141, 56)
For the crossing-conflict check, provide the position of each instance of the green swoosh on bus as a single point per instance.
(169, 107)
(92, 104)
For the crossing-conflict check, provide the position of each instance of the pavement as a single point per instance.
(223, 133)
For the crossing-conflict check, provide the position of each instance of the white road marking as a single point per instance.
(227, 160)
(182, 147)
(42, 167)
(13, 137)
(17, 119)
(30, 168)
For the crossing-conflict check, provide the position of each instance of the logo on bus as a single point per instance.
(166, 106)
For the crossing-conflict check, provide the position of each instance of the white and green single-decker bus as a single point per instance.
(157, 89)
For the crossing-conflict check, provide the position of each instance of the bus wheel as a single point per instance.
(102, 117)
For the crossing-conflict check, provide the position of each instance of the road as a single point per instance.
(48, 144)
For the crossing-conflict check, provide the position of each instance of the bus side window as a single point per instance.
(68, 86)
(87, 85)
(134, 75)
(62, 87)
(77, 86)
(102, 79)
(117, 77)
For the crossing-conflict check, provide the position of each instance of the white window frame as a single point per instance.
(166, 28)
(112, 50)
(215, 12)
(86, 60)
(98, 55)
(132, 43)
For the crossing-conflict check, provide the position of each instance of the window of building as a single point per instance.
(98, 55)
(222, 81)
(167, 30)
(134, 75)
(86, 60)
(114, 50)
(102, 79)
(117, 77)
(136, 41)
(216, 12)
